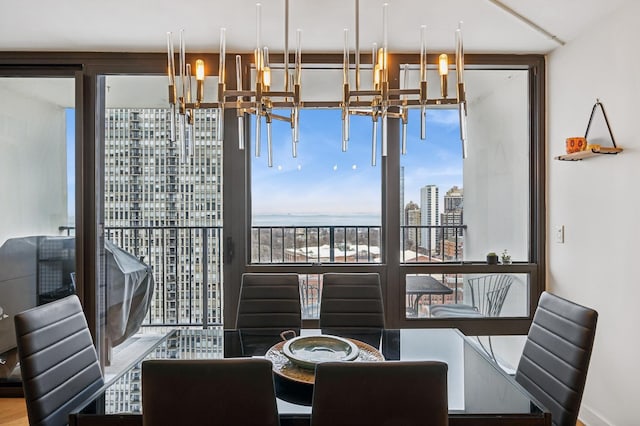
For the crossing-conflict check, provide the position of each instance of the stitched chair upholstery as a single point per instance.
(351, 306)
(269, 304)
(58, 361)
(228, 391)
(556, 355)
(380, 393)
(488, 294)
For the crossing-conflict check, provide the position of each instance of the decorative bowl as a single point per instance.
(576, 144)
(307, 351)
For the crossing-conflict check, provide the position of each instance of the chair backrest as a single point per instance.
(228, 391)
(380, 393)
(488, 293)
(555, 359)
(269, 304)
(58, 361)
(351, 306)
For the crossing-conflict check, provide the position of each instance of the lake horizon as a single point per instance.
(311, 219)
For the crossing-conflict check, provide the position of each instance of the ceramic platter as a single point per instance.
(307, 351)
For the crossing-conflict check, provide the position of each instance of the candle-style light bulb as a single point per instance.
(443, 69)
(266, 69)
(443, 64)
(199, 69)
(199, 81)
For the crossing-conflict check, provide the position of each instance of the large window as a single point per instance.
(488, 202)
(324, 204)
(315, 212)
(459, 210)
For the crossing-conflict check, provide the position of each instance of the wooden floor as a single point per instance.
(13, 412)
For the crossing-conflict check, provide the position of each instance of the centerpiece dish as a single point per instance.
(307, 351)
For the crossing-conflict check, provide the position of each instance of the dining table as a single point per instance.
(480, 392)
(424, 285)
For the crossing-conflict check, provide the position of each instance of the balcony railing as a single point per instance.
(431, 243)
(353, 244)
(187, 261)
(187, 269)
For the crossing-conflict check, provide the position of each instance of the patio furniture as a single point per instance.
(488, 294)
(555, 359)
(420, 285)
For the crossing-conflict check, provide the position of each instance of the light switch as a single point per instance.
(559, 234)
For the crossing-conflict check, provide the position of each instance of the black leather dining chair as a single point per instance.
(554, 363)
(380, 393)
(58, 361)
(228, 391)
(269, 304)
(351, 306)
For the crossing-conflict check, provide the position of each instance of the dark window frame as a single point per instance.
(89, 67)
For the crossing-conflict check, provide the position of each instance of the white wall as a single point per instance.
(33, 181)
(597, 200)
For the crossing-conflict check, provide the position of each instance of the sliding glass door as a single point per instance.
(37, 195)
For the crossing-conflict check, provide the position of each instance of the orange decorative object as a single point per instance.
(576, 144)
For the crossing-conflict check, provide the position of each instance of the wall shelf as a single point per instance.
(588, 153)
(581, 155)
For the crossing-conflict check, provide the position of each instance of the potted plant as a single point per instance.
(492, 258)
(505, 257)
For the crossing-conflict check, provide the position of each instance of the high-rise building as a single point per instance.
(411, 217)
(429, 217)
(451, 220)
(166, 210)
(453, 199)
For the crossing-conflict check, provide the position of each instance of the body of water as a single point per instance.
(313, 220)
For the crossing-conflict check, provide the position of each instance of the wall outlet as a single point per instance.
(558, 233)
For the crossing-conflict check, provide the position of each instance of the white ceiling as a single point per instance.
(141, 25)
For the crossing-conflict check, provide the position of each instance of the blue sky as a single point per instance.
(325, 180)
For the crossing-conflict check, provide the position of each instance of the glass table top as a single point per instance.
(476, 384)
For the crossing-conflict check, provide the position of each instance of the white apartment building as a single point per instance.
(167, 210)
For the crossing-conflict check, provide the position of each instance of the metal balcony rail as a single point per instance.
(187, 268)
(187, 261)
(315, 244)
(431, 243)
(353, 244)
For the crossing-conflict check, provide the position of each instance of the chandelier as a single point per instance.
(379, 103)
